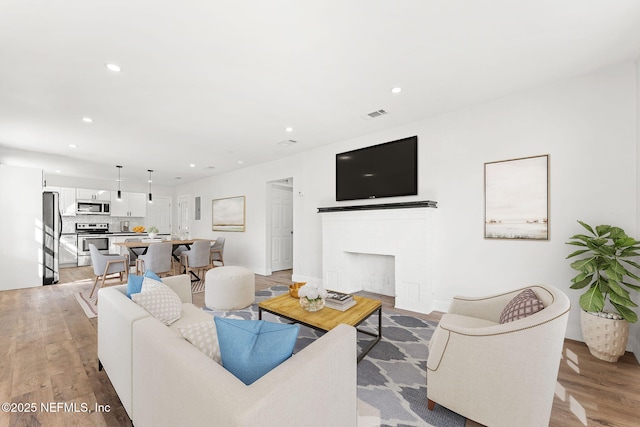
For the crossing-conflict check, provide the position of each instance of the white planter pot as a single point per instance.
(606, 338)
(152, 235)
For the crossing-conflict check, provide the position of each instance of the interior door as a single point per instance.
(281, 227)
(183, 216)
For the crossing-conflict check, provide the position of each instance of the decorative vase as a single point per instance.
(606, 338)
(152, 235)
(312, 305)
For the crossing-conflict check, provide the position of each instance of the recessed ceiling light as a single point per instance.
(396, 90)
(289, 129)
(73, 146)
(192, 165)
(113, 67)
(241, 162)
(58, 171)
(87, 119)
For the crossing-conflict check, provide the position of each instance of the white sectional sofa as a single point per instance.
(163, 380)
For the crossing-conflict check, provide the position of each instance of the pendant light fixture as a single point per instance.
(119, 192)
(150, 196)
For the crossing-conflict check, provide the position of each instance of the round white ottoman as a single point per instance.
(229, 288)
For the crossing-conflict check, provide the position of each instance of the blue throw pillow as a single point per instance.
(134, 284)
(251, 348)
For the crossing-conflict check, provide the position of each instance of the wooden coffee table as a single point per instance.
(326, 319)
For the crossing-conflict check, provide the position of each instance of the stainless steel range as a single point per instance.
(93, 233)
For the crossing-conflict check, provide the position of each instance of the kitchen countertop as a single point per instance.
(131, 233)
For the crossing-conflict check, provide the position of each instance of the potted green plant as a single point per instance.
(605, 257)
(153, 232)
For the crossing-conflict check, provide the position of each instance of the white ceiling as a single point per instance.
(213, 83)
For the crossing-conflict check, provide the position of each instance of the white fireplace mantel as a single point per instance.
(405, 234)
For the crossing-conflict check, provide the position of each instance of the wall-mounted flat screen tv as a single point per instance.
(384, 170)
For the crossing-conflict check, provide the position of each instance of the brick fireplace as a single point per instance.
(387, 251)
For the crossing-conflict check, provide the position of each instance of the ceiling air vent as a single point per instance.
(374, 114)
(287, 142)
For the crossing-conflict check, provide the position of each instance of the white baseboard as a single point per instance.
(262, 271)
(441, 306)
(634, 345)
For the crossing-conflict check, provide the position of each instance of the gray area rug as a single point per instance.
(391, 378)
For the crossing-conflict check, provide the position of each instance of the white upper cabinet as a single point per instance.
(132, 204)
(67, 199)
(138, 204)
(86, 194)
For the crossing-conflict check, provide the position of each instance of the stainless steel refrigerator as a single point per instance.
(51, 232)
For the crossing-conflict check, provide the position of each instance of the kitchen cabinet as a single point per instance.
(118, 250)
(87, 194)
(67, 199)
(131, 204)
(68, 250)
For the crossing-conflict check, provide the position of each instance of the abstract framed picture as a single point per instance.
(228, 214)
(516, 198)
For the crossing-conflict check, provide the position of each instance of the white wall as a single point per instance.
(634, 330)
(588, 126)
(241, 248)
(20, 227)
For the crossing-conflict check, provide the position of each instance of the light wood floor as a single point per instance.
(48, 354)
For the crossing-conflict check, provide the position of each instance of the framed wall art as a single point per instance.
(516, 196)
(229, 214)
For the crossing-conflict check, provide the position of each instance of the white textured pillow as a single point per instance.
(148, 283)
(203, 336)
(161, 301)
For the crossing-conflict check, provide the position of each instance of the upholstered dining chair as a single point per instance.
(217, 249)
(492, 369)
(106, 264)
(197, 258)
(134, 252)
(157, 259)
(177, 255)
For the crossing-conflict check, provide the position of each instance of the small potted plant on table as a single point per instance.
(606, 255)
(153, 232)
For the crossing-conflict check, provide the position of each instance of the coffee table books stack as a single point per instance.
(339, 301)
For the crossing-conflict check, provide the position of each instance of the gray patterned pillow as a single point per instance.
(161, 302)
(522, 305)
(204, 336)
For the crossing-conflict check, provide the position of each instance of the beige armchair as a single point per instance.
(498, 374)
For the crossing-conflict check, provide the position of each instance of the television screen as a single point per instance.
(384, 170)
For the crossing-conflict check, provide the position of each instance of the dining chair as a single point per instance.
(106, 264)
(177, 253)
(157, 259)
(217, 248)
(134, 252)
(197, 258)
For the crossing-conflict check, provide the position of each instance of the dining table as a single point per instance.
(144, 244)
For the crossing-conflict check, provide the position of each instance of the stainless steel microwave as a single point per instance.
(93, 207)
